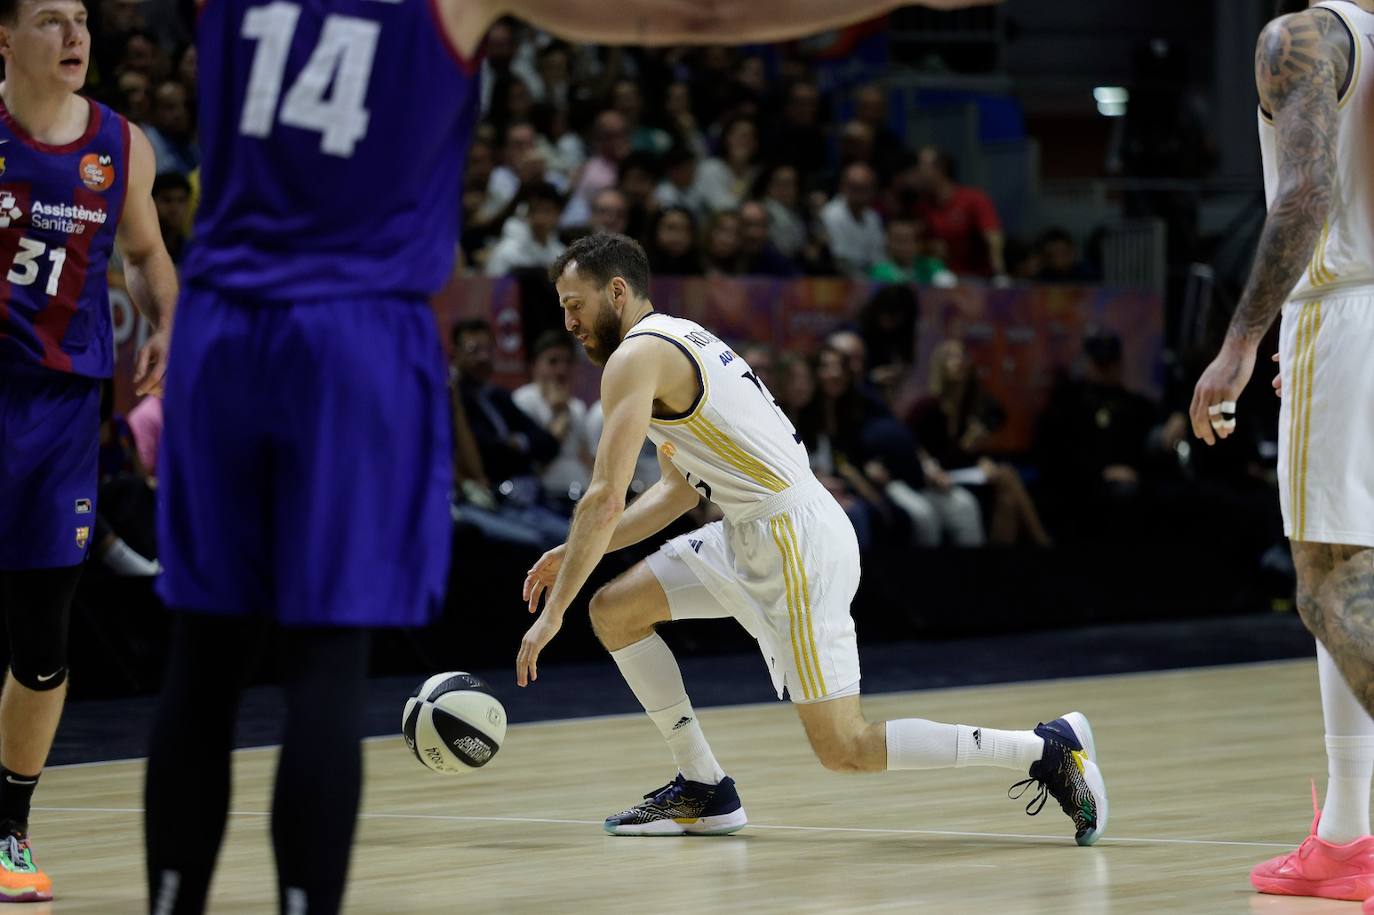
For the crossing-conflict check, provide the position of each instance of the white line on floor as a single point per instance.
(951, 833)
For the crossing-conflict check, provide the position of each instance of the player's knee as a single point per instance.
(606, 613)
(38, 631)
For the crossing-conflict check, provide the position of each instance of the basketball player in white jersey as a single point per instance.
(1314, 69)
(784, 562)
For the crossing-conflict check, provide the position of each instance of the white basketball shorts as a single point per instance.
(1326, 423)
(788, 576)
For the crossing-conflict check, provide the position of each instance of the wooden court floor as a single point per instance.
(1207, 772)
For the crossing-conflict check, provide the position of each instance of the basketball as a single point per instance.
(453, 724)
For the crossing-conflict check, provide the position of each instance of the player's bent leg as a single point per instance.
(842, 740)
(626, 609)
(701, 799)
(1334, 587)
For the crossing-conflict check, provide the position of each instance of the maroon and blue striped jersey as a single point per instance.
(334, 135)
(59, 209)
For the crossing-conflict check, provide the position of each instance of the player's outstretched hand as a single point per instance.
(1214, 398)
(540, 634)
(542, 575)
(152, 364)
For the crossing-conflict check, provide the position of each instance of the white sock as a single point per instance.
(122, 560)
(914, 743)
(650, 669)
(1004, 749)
(1349, 756)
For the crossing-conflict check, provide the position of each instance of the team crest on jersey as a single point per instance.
(97, 171)
(82, 535)
(2, 165)
(9, 209)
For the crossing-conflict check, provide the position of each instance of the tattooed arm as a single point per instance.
(1300, 64)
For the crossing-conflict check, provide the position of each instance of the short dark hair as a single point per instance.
(166, 181)
(551, 339)
(535, 191)
(471, 326)
(640, 161)
(604, 256)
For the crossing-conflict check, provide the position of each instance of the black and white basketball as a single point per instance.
(453, 724)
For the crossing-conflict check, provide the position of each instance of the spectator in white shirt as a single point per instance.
(539, 247)
(854, 228)
(548, 400)
(723, 182)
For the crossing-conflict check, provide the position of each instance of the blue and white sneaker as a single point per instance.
(683, 808)
(1067, 770)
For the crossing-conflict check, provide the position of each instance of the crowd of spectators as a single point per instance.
(734, 162)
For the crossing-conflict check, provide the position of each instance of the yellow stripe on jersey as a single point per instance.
(1316, 326)
(798, 660)
(712, 437)
(806, 598)
(1317, 272)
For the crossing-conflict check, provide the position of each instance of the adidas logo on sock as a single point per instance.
(978, 738)
(682, 722)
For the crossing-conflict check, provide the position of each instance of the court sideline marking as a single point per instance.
(949, 833)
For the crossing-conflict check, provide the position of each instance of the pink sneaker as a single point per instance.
(1321, 868)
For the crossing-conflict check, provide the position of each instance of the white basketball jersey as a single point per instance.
(735, 444)
(1344, 254)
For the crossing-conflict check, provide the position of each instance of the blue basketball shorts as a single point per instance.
(49, 457)
(305, 469)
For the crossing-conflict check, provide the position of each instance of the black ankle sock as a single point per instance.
(16, 794)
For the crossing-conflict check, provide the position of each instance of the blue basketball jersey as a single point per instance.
(59, 209)
(334, 135)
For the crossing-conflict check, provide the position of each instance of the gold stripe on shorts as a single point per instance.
(803, 671)
(806, 597)
(1314, 328)
(1294, 397)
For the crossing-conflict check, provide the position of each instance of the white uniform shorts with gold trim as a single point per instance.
(788, 572)
(1326, 425)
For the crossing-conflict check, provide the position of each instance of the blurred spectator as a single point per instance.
(761, 256)
(856, 144)
(962, 218)
(672, 247)
(887, 326)
(638, 177)
(1023, 260)
(678, 187)
(854, 229)
(609, 212)
(762, 359)
(512, 446)
(561, 147)
(554, 65)
(781, 193)
(504, 57)
(172, 197)
(141, 54)
(548, 400)
(172, 131)
(796, 384)
(145, 425)
(871, 109)
(124, 538)
(133, 100)
(538, 246)
(723, 255)
(520, 162)
(953, 423)
(723, 182)
(186, 69)
(611, 144)
(848, 343)
(511, 102)
(798, 139)
(1092, 441)
(627, 99)
(1059, 261)
(908, 260)
(677, 110)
